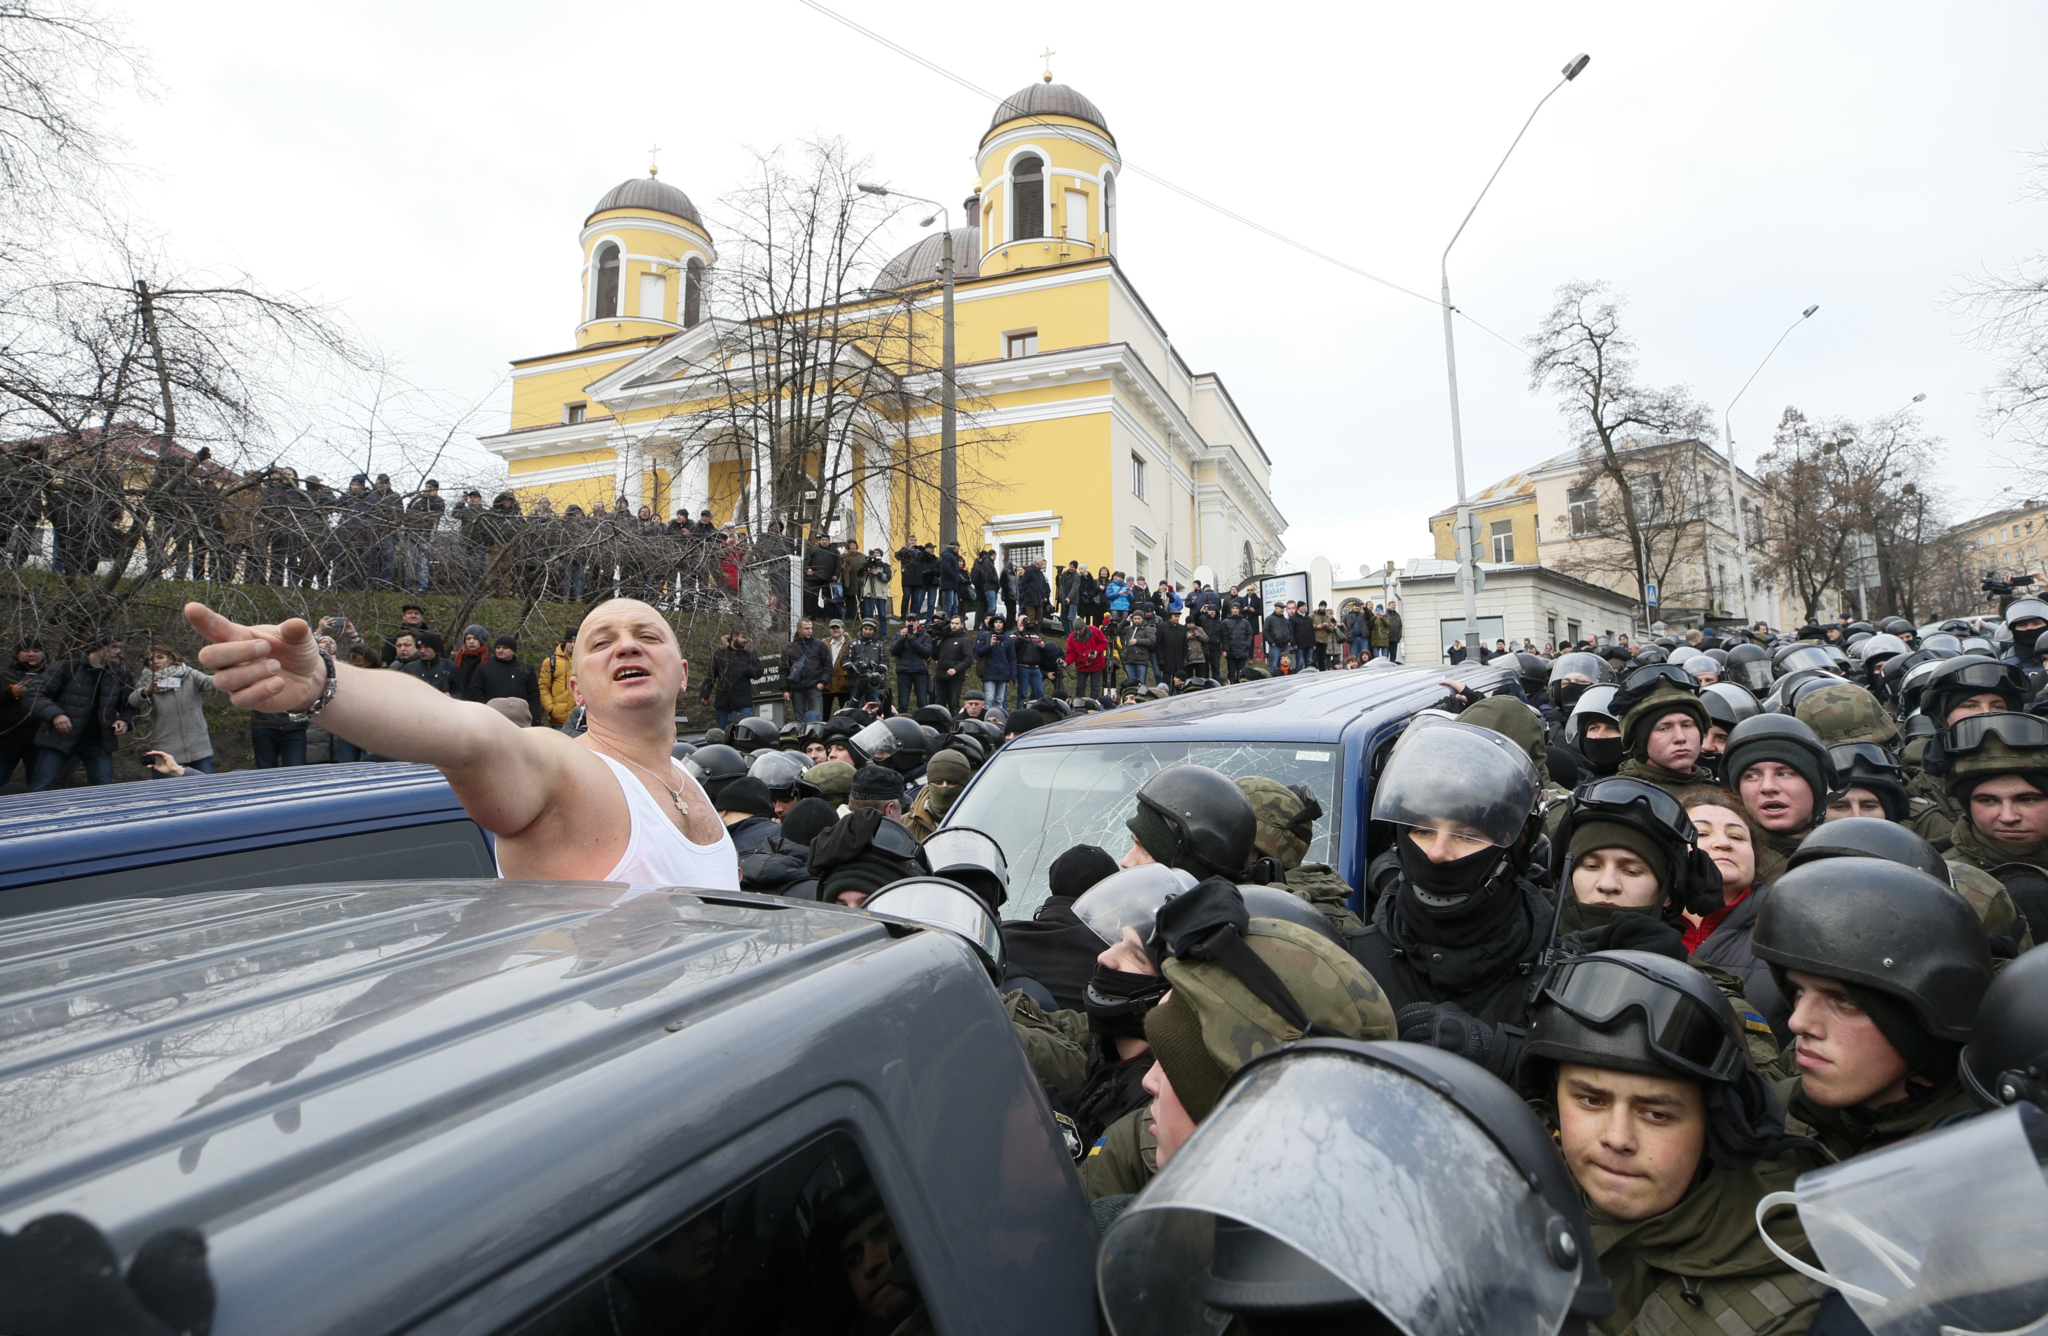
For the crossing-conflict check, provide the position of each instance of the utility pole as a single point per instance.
(949, 390)
(1734, 490)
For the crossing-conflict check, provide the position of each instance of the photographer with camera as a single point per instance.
(867, 666)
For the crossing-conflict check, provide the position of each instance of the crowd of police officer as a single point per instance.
(1653, 944)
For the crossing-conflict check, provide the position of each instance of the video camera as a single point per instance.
(1997, 588)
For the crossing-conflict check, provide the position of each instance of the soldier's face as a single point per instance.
(836, 752)
(1855, 802)
(1777, 797)
(1127, 955)
(1674, 743)
(1614, 876)
(1844, 1059)
(1715, 742)
(1633, 1142)
(1449, 842)
(817, 752)
(1170, 1120)
(864, 1255)
(1984, 702)
(2011, 809)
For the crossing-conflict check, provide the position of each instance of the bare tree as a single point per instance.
(2010, 309)
(1643, 480)
(813, 378)
(57, 61)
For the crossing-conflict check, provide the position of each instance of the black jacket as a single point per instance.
(805, 664)
(911, 651)
(1172, 649)
(985, 575)
(1055, 948)
(956, 651)
(1032, 591)
(820, 565)
(17, 720)
(80, 692)
(492, 679)
(1236, 638)
(731, 686)
(952, 571)
(1279, 631)
(440, 674)
(1304, 631)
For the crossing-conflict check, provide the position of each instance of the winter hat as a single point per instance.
(1153, 835)
(1079, 868)
(507, 642)
(1591, 835)
(1665, 698)
(833, 778)
(803, 822)
(746, 794)
(432, 640)
(948, 767)
(974, 695)
(483, 637)
(1023, 721)
(876, 783)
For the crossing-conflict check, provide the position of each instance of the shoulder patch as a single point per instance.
(1753, 1021)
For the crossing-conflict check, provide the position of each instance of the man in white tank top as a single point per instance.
(607, 806)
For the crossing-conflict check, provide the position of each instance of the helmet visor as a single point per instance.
(1682, 1030)
(1621, 798)
(1581, 664)
(945, 905)
(1806, 656)
(1754, 674)
(1863, 760)
(2014, 730)
(1453, 776)
(875, 741)
(1130, 899)
(1642, 679)
(1948, 1232)
(1376, 1178)
(963, 846)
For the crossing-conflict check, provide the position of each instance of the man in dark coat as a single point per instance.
(506, 674)
(83, 707)
(1279, 629)
(953, 582)
(954, 660)
(730, 688)
(912, 651)
(18, 722)
(821, 566)
(1303, 631)
(1053, 947)
(806, 667)
(1172, 650)
(1238, 629)
(430, 665)
(1034, 594)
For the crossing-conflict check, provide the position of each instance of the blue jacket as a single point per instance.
(998, 657)
(1119, 595)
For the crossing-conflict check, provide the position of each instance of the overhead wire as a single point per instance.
(1155, 177)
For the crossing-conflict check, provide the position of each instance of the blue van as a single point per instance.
(1074, 782)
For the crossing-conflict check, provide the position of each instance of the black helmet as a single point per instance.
(713, 737)
(1695, 879)
(1897, 626)
(1870, 837)
(782, 774)
(1781, 737)
(714, 767)
(1533, 669)
(1883, 926)
(1273, 902)
(936, 717)
(2007, 1059)
(898, 742)
(990, 734)
(1957, 679)
(791, 735)
(1595, 702)
(1637, 1011)
(1487, 1220)
(1651, 655)
(680, 750)
(1750, 666)
(972, 858)
(1728, 704)
(970, 747)
(1208, 820)
(1869, 765)
(753, 733)
(1192, 684)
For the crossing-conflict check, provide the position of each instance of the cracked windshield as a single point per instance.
(1041, 802)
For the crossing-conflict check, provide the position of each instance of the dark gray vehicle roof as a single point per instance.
(389, 1104)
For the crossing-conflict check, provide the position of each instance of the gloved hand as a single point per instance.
(59, 1277)
(1445, 1025)
(1636, 932)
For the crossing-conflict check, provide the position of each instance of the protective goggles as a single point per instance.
(1647, 676)
(1618, 797)
(2020, 731)
(1682, 1030)
(1864, 758)
(1980, 676)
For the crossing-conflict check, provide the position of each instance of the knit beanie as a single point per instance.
(1024, 720)
(877, 783)
(1900, 1024)
(1745, 754)
(1592, 835)
(1175, 1033)
(948, 767)
(833, 778)
(746, 794)
(867, 873)
(806, 818)
(1154, 835)
(1079, 868)
(1665, 699)
(507, 642)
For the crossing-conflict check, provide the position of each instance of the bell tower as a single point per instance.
(1048, 169)
(646, 256)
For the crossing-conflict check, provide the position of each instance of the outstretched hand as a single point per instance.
(260, 667)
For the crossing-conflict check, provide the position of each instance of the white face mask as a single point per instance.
(1945, 1234)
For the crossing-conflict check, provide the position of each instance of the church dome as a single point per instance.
(920, 262)
(651, 194)
(1049, 99)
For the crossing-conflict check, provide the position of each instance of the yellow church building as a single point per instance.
(1085, 435)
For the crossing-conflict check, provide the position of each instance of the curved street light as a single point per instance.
(1728, 444)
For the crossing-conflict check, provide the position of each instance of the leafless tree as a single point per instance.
(57, 63)
(811, 377)
(1649, 492)
(2010, 310)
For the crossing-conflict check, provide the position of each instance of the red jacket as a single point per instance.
(1088, 649)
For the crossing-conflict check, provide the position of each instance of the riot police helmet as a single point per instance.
(897, 742)
(2006, 1060)
(782, 772)
(972, 858)
(1276, 902)
(1870, 837)
(944, 903)
(1129, 899)
(714, 767)
(1595, 703)
(752, 734)
(1750, 666)
(1728, 704)
(1195, 817)
(1689, 876)
(936, 717)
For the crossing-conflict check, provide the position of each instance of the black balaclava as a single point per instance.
(1117, 1001)
(1462, 944)
(2024, 641)
(1605, 755)
(1566, 694)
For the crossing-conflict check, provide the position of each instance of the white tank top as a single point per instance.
(656, 853)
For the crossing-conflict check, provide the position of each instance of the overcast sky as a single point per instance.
(426, 167)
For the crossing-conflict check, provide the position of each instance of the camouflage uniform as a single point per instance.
(1845, 1133)
(1665, 698)
(1282, 836)
(1056, 1043)
(1233, 1027)
(1986, 870)
(1844, 712)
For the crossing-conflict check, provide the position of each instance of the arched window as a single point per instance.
(1109, 213)
(606, 305)
(693, 292)
(1027, 199)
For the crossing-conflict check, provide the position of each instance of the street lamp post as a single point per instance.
(949, 394)
(1463, 532)
(1734, 494)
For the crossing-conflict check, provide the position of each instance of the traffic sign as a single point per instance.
(1478, 580)
(1650, 593)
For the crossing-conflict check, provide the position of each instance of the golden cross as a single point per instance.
(652, 155)
(1047, 55)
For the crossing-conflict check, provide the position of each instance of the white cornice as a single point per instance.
(568, 363)
(1024, 131)
(636, 223)
(549, 440)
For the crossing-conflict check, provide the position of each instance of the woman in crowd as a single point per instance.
(169, 696)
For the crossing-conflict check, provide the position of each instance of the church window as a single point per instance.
(1077, 216)
(693, 292)
(1021, 343)
(574, 413)
(653, 297)
(1109, 212)
(1027, 199)
(1584, 504)
(605, 303)
(1138, 476)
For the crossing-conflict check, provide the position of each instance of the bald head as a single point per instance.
(617, 614)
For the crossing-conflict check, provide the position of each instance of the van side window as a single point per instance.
(806, 1248)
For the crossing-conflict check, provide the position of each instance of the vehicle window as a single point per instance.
(440, 849)
(1041, 802)
(805, 1249)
